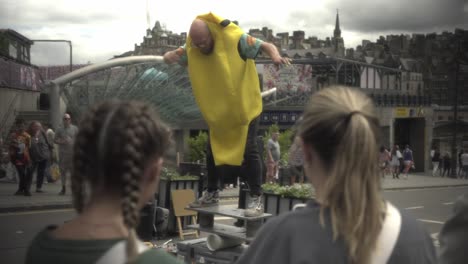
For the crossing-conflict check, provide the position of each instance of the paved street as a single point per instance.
(419, 196)
(50, 199)
(18, 229)
(431, 206)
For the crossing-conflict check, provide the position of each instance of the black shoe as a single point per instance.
(39, 191)
(19, 192)
(62, 192)
(27, 193)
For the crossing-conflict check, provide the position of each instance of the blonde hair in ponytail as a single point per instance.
(340, 124)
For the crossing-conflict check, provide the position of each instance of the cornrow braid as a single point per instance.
(131, 178)
(81, 159)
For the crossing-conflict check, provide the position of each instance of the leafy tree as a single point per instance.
(197, 146)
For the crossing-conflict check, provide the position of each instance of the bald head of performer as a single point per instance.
(201, 36)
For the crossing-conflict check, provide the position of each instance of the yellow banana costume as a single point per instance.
(226, 89)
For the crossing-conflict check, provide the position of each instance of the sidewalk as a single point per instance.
(51, 200)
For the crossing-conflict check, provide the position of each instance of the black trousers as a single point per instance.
(25, 178)
(40, 166)
(250, 171)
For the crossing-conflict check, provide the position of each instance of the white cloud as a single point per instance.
(100, 29)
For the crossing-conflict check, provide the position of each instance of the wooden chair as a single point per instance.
(180, 200)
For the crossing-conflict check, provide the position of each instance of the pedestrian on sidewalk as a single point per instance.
(407, 160)
(447, 161)
(296, 160)
(402, 163)
(19, 156)
(273, 155)
(460, 166)
(435, 158)
(117, 160)
(348, 221)
(40, 153)
(464, 164)
(50, 135)
(384, 158)
(65, 137)
(395, 161)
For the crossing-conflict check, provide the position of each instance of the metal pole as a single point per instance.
(455, 116)
(71, 58)
(54, 90)
(54, 93)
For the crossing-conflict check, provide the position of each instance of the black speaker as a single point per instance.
(145, 227)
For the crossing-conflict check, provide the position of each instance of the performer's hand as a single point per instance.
(281, 60)
(171, 57)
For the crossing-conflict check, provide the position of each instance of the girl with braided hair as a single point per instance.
(117, 159)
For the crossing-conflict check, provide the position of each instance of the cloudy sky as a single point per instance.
(100, 29)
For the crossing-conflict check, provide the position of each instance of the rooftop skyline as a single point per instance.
(102, 29)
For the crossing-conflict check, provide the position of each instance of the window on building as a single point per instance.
(450, 118)
(24, 54)
(440, 118)
(13, 50)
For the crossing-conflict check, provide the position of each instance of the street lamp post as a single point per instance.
(459, 56)
(54, 91)
(60, 40)
(455, 120)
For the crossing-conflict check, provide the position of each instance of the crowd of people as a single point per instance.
(442, 164)
(35, 149)
(396, 162)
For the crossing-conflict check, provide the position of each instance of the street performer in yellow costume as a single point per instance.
(220, 59)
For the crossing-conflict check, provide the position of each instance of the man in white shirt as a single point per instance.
(464, 163)
(65, 137)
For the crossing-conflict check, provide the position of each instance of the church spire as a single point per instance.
(337, 31)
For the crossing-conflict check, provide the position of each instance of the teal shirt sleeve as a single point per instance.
(249, 46)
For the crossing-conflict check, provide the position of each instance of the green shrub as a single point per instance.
(297, 190)
(171, 174)
(197, 147)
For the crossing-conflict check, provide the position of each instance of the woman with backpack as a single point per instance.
(349, 221)
(40, 152)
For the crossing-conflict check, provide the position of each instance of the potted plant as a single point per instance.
(279, 199)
